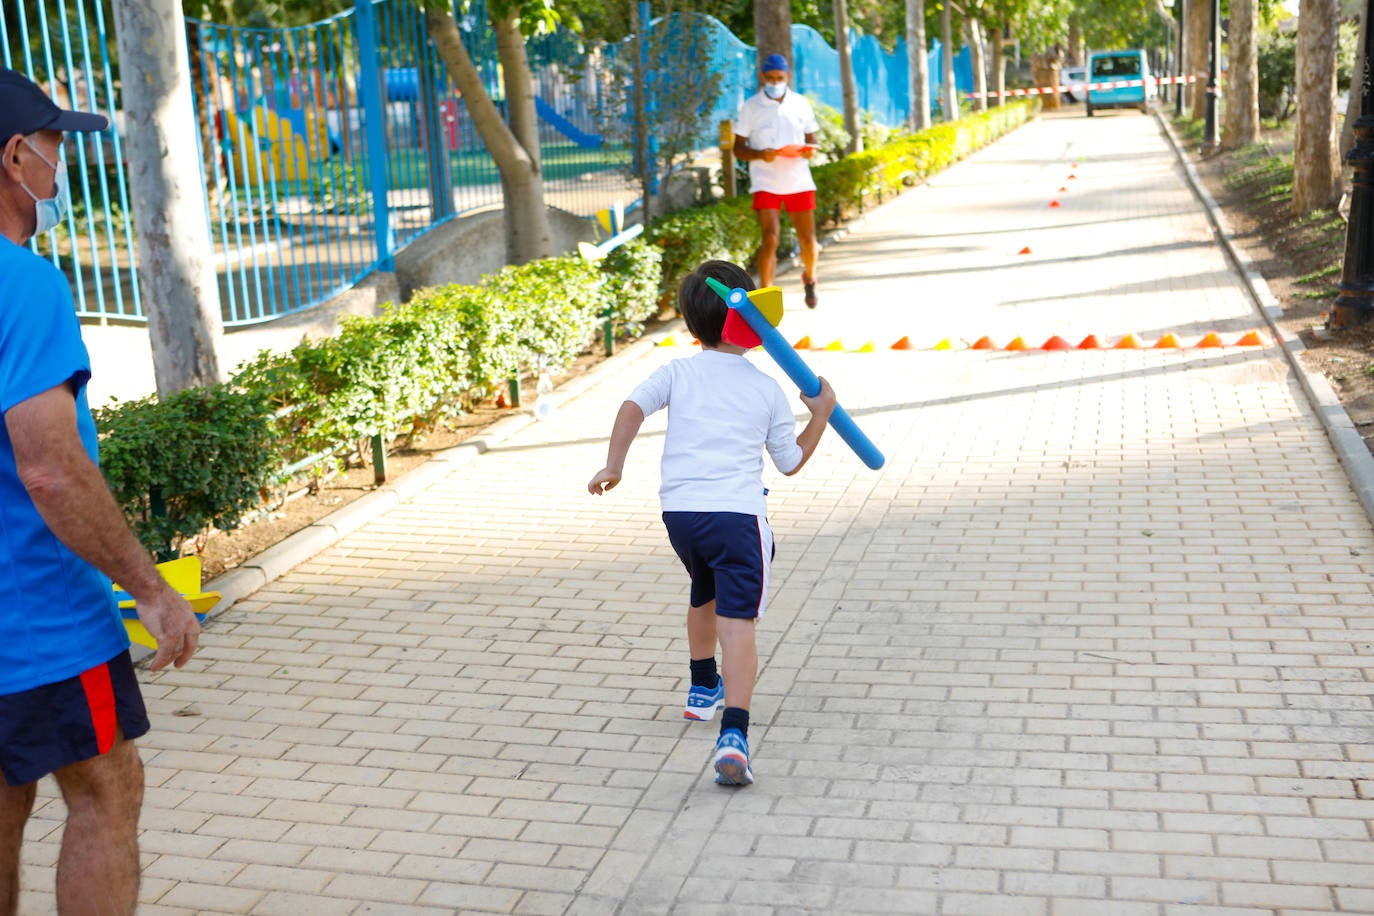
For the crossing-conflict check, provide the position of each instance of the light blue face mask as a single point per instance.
(775, 90)
(50, 211)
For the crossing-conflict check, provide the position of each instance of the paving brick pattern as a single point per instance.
(1095, 640)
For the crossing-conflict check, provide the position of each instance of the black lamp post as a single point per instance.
(1355, 304)
(1211, 138)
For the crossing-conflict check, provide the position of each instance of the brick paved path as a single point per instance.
(1095, 640)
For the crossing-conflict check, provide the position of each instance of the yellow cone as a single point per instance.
(669, 341)
(834, 345)
(945, 344)
(866, 348)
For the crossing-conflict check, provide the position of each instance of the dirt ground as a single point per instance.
(1296, 260)
(1300, 261)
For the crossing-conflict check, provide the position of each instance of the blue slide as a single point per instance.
(564, 126)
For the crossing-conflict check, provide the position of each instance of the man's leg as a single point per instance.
(100, 842)
(16, 804)
(770, 223)
(804, 221)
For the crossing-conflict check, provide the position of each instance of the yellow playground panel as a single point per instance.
(271, 148)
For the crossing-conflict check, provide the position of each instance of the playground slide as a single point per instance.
(564, 126)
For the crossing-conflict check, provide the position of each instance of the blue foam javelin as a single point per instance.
(776, 346)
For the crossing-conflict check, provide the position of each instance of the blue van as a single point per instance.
(1129, 68)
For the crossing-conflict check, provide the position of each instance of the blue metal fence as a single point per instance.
(306, 193)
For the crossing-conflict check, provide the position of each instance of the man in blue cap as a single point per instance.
(776, 134)
(69, 702)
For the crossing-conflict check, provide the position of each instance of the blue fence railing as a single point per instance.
(326, 147)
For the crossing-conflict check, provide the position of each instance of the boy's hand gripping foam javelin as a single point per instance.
(801, 375)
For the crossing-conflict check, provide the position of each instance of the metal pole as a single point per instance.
(1178, 64)
(1211, 138)
(1355, 303)
(374, 115)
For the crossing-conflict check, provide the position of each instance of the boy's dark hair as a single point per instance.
(701, 307)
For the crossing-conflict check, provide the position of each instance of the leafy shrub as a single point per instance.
(633, 272)
(199, 459)
(727, 230)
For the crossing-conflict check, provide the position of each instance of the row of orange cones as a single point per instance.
(1169, 341)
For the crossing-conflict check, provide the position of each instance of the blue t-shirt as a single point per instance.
(58, 616)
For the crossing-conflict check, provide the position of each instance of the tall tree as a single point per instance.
(848, 91)
(949, 95)
(1316, 156)
(1199, 46)
(1241, 126)
(176, 276)
(980, 73)
(773, 29)
(515, 145)
(917, 50)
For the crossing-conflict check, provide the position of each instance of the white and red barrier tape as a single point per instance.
(1119, 84)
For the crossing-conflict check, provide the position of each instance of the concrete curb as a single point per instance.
(1350, 448)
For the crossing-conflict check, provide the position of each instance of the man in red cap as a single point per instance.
(69, 701)
(776, 134)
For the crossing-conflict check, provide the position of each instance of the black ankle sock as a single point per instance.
(704, 672)
(734, 717)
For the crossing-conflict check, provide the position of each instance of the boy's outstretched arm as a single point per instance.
(821, 406)
(626, 427)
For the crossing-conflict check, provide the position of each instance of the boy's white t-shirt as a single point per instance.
(767, 124)
(722, 414)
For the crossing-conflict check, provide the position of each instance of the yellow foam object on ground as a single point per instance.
(184, 576)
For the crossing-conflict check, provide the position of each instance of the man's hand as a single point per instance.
(807, 152)
(768, 155)
(823, 404)
(605, 479)
(170, 620)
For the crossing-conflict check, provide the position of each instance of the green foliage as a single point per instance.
(1278, 54)
(633, 272)
(199, 459)
(727, 230)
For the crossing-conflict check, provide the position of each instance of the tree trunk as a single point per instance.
(773, 29)
(848, 91)
(949, 95)
(519, 85)
(1316, 159)
(999, 64)
(644, 168)
(176, 276)
(526, 220)
(1241, 126)
(1072, 57)
(980, 73)
(917, 51)
(1199, 27)
(1352, 108)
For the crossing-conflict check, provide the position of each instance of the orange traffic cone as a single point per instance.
(1054, 203)
(1056, 343)
(983, 343)
(803, 344)
(1017, 343)
(1210, 339)
(1251, 339)
(1090, 343)
(1025, 250)
(903, 344)
(1129, 342)
(1168, 342)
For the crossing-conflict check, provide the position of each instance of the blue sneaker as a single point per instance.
(732, 759)
(702, 702)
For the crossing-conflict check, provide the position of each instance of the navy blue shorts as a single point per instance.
(44, 729)
(728, 556)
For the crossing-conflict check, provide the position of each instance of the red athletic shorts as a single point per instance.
(792, 203)
(44, 729)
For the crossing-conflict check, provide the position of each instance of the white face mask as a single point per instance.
(775, 90)
(49, 211)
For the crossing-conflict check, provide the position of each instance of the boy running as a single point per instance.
(723, 413)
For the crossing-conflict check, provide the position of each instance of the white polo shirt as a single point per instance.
(772, 125)
(722, 414)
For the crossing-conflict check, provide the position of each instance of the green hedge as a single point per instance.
(205, 458)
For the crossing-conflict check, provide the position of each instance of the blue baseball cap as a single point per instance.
(773, 62)
(25, 109)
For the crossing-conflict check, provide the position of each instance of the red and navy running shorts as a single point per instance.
(728, 556)
(792, 203)
(44, 729)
